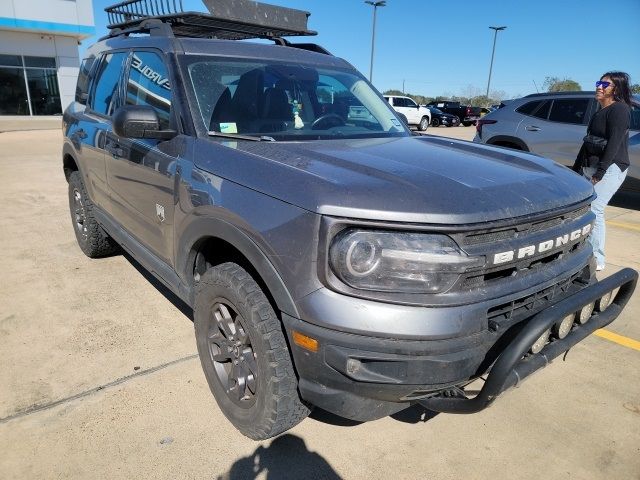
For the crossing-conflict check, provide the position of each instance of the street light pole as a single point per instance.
(495, 36)
(375, 5)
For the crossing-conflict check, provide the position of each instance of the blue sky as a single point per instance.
(444, 47)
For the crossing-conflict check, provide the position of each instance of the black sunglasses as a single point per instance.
(603, 84)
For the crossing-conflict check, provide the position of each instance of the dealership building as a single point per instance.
(39, 53)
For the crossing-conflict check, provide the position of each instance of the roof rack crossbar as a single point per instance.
(132, 10)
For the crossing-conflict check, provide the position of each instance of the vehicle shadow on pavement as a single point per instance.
(285, 457)
(186, 310)
(626, 199)
(413, 414)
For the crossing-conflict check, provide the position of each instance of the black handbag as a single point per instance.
(594, 146)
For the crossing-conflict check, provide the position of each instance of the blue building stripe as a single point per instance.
(36, 26)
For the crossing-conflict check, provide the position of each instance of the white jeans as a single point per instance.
(605, 188)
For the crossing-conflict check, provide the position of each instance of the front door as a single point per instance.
(141, 172)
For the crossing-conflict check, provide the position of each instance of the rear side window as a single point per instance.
(570, 110)
(82, 87)
(105, 94)
(635, 117)
(528, 108)
(148, 84)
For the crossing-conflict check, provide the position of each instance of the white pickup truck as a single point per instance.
(416, 114)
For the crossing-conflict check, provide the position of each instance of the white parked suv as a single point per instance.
(416, 115)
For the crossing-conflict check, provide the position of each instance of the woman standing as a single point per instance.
(606, 165)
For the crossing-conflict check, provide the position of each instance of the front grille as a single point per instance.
(523, 230)
(530, 304)
(490, 242)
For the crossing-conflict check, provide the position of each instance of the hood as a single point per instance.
(423, 179)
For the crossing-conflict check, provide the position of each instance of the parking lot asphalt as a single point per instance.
(99, 377)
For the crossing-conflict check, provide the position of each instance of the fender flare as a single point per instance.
(200, 228)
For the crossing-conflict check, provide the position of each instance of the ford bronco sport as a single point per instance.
(331, 258)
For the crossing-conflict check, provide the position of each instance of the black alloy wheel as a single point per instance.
(244, 354)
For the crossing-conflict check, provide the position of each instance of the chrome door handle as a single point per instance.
(532, 128)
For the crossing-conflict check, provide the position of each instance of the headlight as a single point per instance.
(398, 261)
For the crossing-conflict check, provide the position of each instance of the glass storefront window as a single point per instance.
(29, 78)
(13, 92)
(43, 62)
(43, 88)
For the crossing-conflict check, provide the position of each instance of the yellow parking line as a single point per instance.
(629, 226)
(619, 339)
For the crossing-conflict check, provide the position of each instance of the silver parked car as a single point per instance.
(553, 125)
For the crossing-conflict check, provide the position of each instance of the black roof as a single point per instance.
(556, 94)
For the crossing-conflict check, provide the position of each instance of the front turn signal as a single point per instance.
(305, 342)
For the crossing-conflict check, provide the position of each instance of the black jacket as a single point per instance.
(611, 123)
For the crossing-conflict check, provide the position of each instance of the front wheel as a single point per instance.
(244, 354)
(467, 124)
(424, 124)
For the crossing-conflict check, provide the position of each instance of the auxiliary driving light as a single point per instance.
(563, 327)
(604, 301)
(585, 313)
(540, 342)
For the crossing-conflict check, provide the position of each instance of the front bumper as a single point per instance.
(363, 378)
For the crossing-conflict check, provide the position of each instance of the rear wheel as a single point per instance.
(244, 354)
(435, 122)
(467, 124)
(92, 239)
(424, 124)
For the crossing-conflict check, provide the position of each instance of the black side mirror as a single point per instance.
(139, 121)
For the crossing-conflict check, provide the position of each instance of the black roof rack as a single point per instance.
(228, 19)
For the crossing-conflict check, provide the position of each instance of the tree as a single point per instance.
(555, 84)
(635, 89)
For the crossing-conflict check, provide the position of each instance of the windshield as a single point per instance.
(282, 101)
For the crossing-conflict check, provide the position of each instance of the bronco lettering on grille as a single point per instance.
(545, 246)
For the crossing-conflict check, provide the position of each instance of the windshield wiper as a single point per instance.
(262, 138)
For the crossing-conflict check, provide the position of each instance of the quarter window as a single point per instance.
(528, 108)
(543, 110)
(571, 110)
(106, 92)
(82, 87)
(148, 84)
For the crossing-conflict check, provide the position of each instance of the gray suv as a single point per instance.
(553, 125)
(331, 258)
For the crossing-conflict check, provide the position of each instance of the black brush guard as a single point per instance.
(512, 366)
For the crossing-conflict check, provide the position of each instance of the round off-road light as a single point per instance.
(604, 302)
(563, 327)
(540, 342)
(584, 314)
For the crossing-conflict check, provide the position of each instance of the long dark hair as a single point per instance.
(622, 92)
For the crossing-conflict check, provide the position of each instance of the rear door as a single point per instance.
(556, 128)
(93, 125)
(141, 172)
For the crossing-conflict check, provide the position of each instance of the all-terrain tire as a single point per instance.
(91, 237)
(244, 354)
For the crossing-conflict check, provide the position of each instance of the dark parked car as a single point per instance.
(331, 258)
(467, 114)
(438, 117)
(553, 125)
